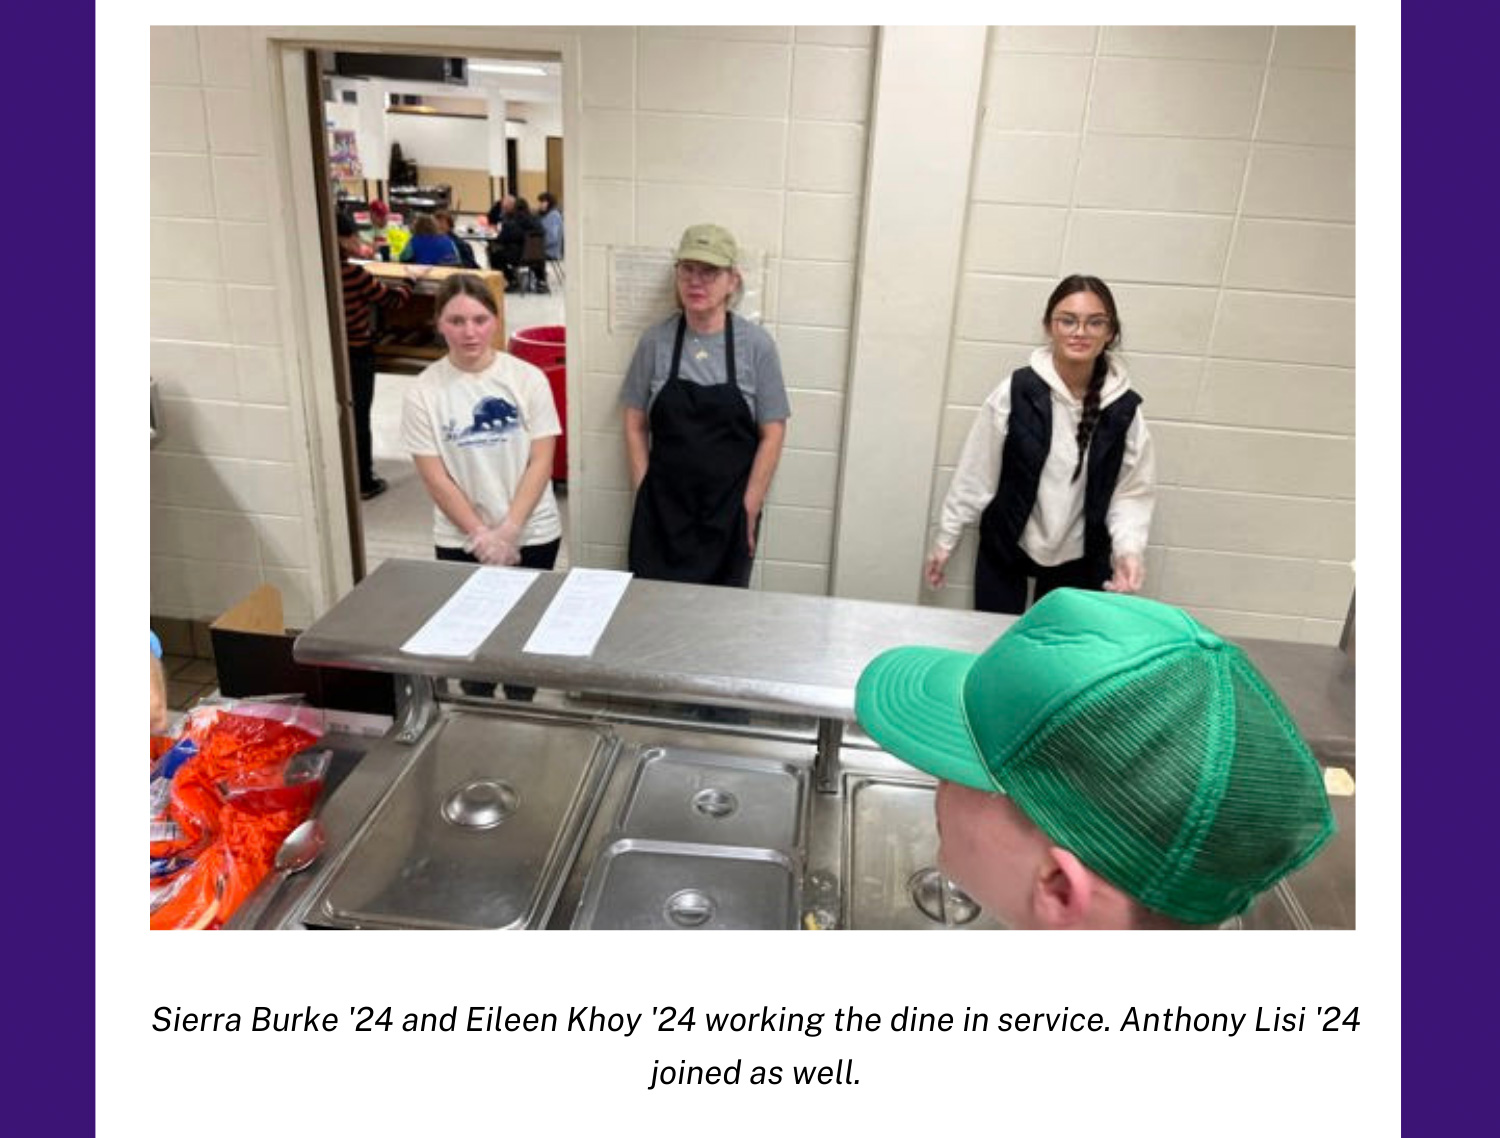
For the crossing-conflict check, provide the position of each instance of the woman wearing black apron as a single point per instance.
(705, 418)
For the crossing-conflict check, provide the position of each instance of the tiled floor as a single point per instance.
(399, 522)
(189, 679)
(187, 658)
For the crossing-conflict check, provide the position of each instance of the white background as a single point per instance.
(391, 1083)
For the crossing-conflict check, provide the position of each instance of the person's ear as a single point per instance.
(1064, 892)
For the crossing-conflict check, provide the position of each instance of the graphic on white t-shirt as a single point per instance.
(494, 418)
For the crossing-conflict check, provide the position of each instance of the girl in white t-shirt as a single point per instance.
(481, 427)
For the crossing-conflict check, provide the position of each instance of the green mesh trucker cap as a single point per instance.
(1130, 734)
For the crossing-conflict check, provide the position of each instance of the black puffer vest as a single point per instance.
(1028, 439)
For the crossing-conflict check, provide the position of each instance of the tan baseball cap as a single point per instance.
(710, 244)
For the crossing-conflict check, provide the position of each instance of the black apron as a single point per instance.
(690, 523)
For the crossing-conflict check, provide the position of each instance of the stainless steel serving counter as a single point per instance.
(728, 647)
(815, 830)
(864, 857)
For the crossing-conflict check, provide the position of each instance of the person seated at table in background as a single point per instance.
(516, 225)
(380, 217)
(1058, 469)
(552, 227)
(504, 249)
(444, 218)
(358, 248)
(429, 245)
(1108, 762)
(705, 412)
(481, 428)
(502, 206)
(531, 226)
(362, 292)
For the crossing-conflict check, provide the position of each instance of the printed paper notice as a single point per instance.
(642, 288)
(469, 616)
(579, 613)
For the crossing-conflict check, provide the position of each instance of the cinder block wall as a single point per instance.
(231, 501)
(762, 130)
(1208, 175)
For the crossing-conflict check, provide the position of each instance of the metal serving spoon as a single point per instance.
(300, 848)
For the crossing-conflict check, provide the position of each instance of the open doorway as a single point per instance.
(405, 139)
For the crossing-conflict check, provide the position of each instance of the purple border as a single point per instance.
(1442, 975)
(50, 570)
(1447, 413)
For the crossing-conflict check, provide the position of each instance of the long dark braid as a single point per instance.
(1090, 416)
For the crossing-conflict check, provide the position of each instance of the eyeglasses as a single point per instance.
(697, 271)
(1094, 325)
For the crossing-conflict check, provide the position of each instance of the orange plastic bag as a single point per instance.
(230, 811)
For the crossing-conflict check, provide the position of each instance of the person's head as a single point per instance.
(545, 202)
(444, 220)
(424, 225)
(523, 207)
(379, 212)
(1081, 319)
(708, 275)
(350, 244)
(1109, 762)
(508, 203)
(466, 317)
(1082, 324)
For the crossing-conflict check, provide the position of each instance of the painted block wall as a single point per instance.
(762, 130)
(1207, 174)
(231, 503)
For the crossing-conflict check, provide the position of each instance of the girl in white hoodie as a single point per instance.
(1058, 468)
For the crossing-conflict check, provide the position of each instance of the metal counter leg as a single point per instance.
(415, 707)
(826, 762)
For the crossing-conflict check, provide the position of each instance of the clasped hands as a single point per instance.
(497, 545)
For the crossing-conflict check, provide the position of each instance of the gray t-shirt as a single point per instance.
(757, 367)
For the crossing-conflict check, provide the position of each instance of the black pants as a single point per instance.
(362, 389)
(506, 259)
(1000, 588)
(532, 557)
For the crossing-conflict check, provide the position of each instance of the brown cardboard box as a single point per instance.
(253, 653)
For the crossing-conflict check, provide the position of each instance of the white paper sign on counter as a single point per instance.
(579, 613)
(469, 616)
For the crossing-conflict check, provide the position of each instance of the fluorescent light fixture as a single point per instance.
(508, 68)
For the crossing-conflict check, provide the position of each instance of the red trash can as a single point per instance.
(546, 347)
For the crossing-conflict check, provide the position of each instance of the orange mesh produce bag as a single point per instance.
(230, 814)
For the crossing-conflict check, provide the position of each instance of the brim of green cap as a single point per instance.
(911, 702)
(705, 257)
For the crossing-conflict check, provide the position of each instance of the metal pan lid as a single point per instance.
(476, 833)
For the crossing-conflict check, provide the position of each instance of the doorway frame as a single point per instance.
(298, 257)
